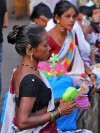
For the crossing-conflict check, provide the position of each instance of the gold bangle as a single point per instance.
(59, 111)
(55, 114)
(52, 117)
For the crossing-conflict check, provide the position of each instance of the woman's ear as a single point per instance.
(57, 18)
(28, 49)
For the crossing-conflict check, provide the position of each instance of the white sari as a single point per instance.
(76, 58)
(77, 68)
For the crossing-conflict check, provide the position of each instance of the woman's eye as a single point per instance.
(68, 16)
(74, 16)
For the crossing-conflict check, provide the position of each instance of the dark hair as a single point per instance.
(25, 35)
(85, 10)
(61, 7)
(96, 6)
(41, 9)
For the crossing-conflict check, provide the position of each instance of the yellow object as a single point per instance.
(21, 6)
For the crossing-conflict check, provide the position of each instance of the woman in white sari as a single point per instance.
(62, 41)
(30, 106)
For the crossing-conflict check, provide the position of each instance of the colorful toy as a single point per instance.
(52, 68)
(82, 102)
(54, 58)
(71, 93)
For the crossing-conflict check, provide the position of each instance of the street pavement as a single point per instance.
(10, 57)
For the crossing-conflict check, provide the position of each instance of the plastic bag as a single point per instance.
(4, 107)
(67, 122)
(59, 84)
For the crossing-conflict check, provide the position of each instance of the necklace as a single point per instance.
(61, 37)
(29, 66)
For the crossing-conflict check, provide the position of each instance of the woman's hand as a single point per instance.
(93, 82)
(67, 107)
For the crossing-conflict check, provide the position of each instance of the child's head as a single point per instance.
(41, 14)
(83, 11)
(96, 13)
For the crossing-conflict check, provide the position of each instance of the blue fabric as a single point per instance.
(67, 122)
(4, 107)
(59, 84)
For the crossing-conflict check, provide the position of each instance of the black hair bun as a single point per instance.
(12, 35)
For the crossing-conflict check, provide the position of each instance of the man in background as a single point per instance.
(3, 24)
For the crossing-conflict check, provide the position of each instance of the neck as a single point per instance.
(27, 61)
(61, 33)
(61, 30)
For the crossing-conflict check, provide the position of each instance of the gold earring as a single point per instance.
(31, 56)
(58, 21)
(27, 52)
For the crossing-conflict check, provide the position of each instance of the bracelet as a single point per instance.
(59, 111)
(54, 114)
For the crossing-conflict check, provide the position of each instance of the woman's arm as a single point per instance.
(5, 21)
(27, 120)
(92, 57)
(92, 77)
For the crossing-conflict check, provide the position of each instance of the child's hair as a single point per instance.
(96, 6)
(41, 10)
(85, 10)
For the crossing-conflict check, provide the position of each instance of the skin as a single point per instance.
(42, 21)
(25, 118)
(86, 29)
(68, 19)
(96, 1)
(66, 22)
(96, 14)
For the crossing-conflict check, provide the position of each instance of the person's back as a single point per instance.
(41, 14)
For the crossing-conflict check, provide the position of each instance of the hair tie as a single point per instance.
(15, 32)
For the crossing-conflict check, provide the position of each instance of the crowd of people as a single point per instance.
(69, 33)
